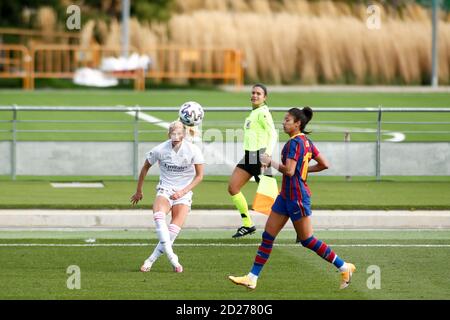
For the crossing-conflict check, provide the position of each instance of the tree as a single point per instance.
(152, 10)
(11, 11)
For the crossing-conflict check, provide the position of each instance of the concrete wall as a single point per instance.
(429, 158)
(74, 158)
(5, 157)
(116, 158)
(355, 158)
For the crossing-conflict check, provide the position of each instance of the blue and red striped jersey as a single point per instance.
(302, 150)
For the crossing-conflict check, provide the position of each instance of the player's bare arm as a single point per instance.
(197, 179)
(288, 169)
(321, 164)
(135, 198)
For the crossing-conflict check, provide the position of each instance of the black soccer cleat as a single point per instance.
(243, 231)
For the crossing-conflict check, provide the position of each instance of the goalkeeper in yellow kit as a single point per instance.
(260, 137)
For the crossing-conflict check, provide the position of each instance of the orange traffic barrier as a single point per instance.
(196, 63)
(15, 62)
(61, 61)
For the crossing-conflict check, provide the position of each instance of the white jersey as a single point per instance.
(177, 168)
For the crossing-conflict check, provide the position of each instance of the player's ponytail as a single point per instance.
(304, 116)
(307, 111)
(307, 116)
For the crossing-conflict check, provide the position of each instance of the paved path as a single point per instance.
(229, 219)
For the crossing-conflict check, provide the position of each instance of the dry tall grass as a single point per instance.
(333, 8)
(142, 35)
(46, 22)
(287, 48)
(304, 42)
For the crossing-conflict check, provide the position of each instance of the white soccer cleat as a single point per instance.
(178, 269)
(146, 266)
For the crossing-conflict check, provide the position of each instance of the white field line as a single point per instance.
(150, 119)
(393, 245)
(396, 136)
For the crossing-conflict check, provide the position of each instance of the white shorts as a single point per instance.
(186, 199)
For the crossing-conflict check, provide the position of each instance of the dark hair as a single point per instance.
(260, 85)
(304, 116)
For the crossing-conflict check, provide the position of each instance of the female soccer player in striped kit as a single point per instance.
(294, 199)
(181, 165)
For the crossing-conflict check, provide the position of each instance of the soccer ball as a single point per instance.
(191, 113)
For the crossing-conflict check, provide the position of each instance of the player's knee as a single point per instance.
(232, 190)
(304, 241)
(157, 216)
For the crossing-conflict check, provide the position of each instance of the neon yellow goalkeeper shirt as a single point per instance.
(259, 130)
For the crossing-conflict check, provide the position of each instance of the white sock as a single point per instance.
(252, 276)
(344, 268)
(174, 230)
(164, 237)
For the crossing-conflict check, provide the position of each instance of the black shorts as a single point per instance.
(250, 163)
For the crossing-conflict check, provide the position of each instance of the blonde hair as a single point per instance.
(175, 124)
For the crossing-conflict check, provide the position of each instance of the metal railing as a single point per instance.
(136, 111)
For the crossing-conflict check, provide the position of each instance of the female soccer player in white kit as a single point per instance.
(181, 166)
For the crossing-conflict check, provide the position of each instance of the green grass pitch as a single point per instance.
(111, 271)
(212, 193)
(123, 123)
(292, 272)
